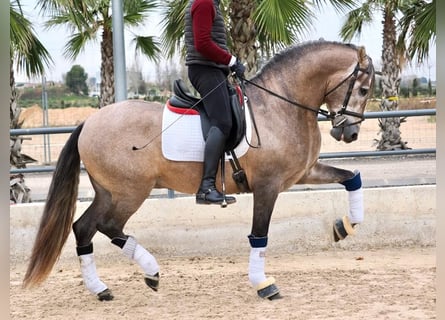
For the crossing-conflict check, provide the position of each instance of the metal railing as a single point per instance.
(367, 115)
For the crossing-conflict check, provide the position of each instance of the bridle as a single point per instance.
(337, 117)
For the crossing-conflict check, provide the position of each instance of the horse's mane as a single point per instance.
(295, 52)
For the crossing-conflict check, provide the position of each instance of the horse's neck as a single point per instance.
(306, 80)
(301, 87)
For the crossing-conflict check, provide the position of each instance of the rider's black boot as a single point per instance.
(214, 147)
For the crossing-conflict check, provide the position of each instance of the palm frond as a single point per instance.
(136, 11)
(339, 5)
(29, 53)
(148, 46)
(355, 20)
(280, 21)
(76, 44)
(173, 26)
(418, 28)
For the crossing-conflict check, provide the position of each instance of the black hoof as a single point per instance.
(276, 296)
(270, 292)
(152, 281)
(342, 228)
(105, 295)
(339, 230)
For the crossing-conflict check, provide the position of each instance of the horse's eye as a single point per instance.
(364, 91)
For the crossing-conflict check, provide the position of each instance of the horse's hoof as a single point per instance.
(268, 290)
(105, 295)
(152, 281)
(276, 296)
(339, 231)
(342, 228)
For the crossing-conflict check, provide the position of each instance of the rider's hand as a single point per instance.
(238, 68)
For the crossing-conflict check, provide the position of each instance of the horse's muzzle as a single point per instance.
(346, 134)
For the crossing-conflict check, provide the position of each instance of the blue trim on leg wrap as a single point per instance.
(354, 183)
(84, 249)
(257, 242)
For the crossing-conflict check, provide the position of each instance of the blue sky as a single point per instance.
(327, 26)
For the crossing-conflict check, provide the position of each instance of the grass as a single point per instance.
(62, 103)
(57, 98)
(412, 103)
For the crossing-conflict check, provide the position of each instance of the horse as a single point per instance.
(286, 96)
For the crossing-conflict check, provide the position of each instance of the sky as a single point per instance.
(327, 25)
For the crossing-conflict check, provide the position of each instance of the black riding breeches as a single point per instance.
(211, 84)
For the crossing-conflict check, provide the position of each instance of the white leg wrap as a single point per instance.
(89, 274)
(356, 206)
(257, 260)
(144, 259)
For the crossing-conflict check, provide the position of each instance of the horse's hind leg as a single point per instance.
(110, 218)
(84, 230)
(321, 173)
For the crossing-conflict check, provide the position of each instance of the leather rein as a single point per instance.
(337, 118)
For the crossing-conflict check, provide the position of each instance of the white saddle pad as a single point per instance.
(182, 138)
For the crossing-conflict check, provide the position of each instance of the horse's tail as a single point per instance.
(58, 214)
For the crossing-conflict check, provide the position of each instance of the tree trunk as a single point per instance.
(243, 34)
(18, 191)
(390, 127)
(107, 69)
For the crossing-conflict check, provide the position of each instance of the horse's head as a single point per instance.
(346, 101)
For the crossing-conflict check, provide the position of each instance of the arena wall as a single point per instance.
(302, 222)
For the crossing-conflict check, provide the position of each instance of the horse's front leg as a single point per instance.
(321, 173)
(263, 204)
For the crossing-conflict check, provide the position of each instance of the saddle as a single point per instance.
(182, 98)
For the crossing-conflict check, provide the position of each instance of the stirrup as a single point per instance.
(205, 197)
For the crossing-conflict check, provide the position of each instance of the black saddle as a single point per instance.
(183, 98)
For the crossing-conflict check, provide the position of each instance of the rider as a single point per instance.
(209, 63)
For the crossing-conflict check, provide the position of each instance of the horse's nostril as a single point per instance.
(354, 136)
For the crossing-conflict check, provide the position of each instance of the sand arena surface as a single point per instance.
(389, 283)
(377, 284)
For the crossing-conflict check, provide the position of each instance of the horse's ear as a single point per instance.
(362, 57)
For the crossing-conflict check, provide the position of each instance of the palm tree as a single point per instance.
(86, 19)
(416, 30)
(262, 27)
(257, 28)
(27, 54)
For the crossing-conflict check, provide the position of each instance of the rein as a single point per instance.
(337, 117)
(135, 148)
